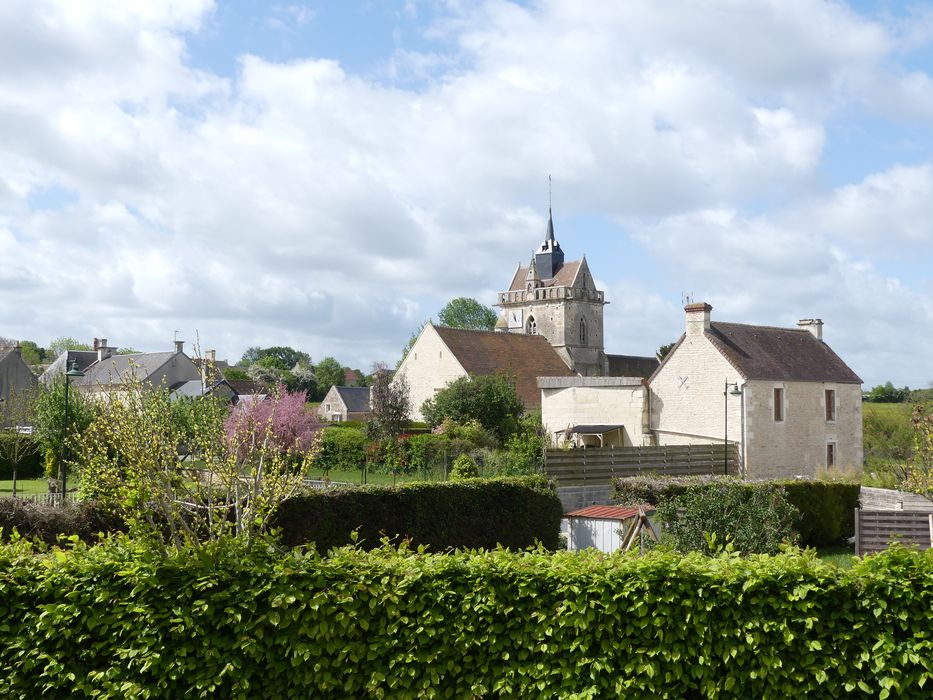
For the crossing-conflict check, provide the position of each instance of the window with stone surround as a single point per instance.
(830, 395)
(532, 327)
(830, 454)
(778, 405)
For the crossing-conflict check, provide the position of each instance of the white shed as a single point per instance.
(601, 527)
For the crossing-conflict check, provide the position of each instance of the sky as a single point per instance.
(327, 175)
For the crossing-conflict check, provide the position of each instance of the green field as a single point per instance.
(840, 557)
(379, 479)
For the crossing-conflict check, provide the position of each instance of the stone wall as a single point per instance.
(569, 401)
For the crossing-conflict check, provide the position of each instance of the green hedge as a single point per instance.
(115, 622)
(45, 523)
(31, 467)
(341, 448)
(827, 508)
(514, 512)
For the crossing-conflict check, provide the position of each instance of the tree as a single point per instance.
(16, 444)
(304, 380)
(250, 356)
(664, 351)
(31, 353)
(59, 345)
(329, 373)
(488, 399)
(49, 420)
(465, 312)
(233, 374)
(887, 393)
(390, 404)
(291, 429)
(287, 357)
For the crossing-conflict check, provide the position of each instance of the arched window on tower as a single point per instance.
(582, 331)
(531, 328)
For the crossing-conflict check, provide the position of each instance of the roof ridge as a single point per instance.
(758, 325)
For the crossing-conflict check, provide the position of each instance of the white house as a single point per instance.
(792, 405)
(441, 355)
(595, 411)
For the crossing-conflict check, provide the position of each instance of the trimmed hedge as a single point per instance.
(827, 508)
(513, 512)
(341, 448)
(31, 467)
(113, 622)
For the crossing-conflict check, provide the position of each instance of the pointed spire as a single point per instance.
(550, 229)
(532, 279)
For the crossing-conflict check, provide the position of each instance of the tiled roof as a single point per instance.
(81, 359)
(780, 354)
(526, 357)
(247, 387)
(355, 398)
(564, 277)
(607, 512)
(631, 366)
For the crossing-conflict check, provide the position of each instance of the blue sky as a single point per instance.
(328, 174)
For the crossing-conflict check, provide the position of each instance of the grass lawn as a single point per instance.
(25, 487)
(837, 556)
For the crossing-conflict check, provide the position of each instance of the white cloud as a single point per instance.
(299, 203)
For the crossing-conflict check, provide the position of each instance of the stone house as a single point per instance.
(343, 403)
(782, 395)
(15, 375)
(441, 355)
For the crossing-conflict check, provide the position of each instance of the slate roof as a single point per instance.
(631, 366)
(82, 359)
(564, 277)
(526, 357)
(780, 354)
(247, 387)
(116, 368)
(355, 398)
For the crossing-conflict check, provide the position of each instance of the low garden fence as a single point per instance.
(600, 465)
(875, 530)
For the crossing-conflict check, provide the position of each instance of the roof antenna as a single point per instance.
(549, 192)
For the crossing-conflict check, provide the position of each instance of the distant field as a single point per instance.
(355, 477)
(888, 409)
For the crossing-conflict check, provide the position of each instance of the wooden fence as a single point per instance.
(876, 529)
(593, 466)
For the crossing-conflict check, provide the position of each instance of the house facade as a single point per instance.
(789, 403)
(595, 411)
(441, 355)
(343, 403)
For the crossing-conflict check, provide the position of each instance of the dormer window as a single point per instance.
(582, 331)
(531, 328)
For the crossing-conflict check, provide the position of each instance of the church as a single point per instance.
(550, 325)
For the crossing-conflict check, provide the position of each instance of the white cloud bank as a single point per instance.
(299, 204)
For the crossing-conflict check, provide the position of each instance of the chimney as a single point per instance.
(211, 356)
(103, 351)
(697, 318)
(179, 346)
(814, 325)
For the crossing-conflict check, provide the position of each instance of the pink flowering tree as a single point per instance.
(279, 423)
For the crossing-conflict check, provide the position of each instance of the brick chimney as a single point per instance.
(697, 318)
(814, 325)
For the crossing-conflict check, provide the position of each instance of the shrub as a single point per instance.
(513, 512)
(826, 508)
(464, 468)
(47, 523)
(341, 448)
(755, 520)
(488, 399)
(427, 452)
(115, 621)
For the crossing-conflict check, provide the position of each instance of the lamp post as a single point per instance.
(63, 466)
(736, 390)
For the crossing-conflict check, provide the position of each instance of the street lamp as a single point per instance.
(735, 390)
(63, 467)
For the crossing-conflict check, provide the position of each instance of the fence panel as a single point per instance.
(876, 529)
(591, 466)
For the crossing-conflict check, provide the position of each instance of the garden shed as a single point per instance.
(606, 528)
